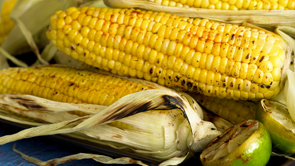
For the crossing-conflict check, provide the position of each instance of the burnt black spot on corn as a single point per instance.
(181, 48)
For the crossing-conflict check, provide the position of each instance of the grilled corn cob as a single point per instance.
(231, 110)
(231, 4)
(168, 136)
(198, 55)
(6, 24)
(67, 85)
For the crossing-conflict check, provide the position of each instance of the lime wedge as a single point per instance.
(246, 143)
(281, 127)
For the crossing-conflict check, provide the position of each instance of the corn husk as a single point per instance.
(220, 123)
(52, 117)
(267, 18)
(23, 32)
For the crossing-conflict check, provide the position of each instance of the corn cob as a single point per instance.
(67, 85)
(197, 55)
(231, 110)
(231, 4)
(6, 24)
(168, 136)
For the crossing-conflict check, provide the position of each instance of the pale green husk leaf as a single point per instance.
(289, 92)
(287, 29)
(220, 123)
(3, 53)
(33, 23)
(1, 5)
(289, 89)
(291, 44)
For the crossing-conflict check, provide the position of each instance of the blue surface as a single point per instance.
(41, 148)
(46, 148)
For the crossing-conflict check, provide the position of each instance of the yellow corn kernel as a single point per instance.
(195, 53)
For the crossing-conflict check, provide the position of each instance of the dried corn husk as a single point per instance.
(266, 18)
(52, 117)
(220, 123)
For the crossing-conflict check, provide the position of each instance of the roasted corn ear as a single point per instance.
(230, 5)
(155, 122)
(215, 59)
(70, 85)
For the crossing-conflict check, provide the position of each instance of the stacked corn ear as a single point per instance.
(230, 5)
(231, 110)
(196, 55)
(6, 23)
(268, 14)
(146, 118)
(67, 85)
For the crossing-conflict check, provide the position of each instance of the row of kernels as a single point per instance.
(177, 23)
(216, 79)
(266, 66)
(66, 87)
(232, 4)
(171, 3)
(34, 89)
(202, 46)
(173, 38)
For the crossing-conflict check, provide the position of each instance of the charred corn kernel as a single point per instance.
(231, 110)
(76, 85)
(171, 50)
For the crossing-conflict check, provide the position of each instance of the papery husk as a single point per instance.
(203, 131)
(287, 95)
(220, 123)
(26, 12)
(266, 18)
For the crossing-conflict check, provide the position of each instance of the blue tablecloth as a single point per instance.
(48, 147)
(41, 148)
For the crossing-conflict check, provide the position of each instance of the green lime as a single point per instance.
(246, 143)
(281, 127)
